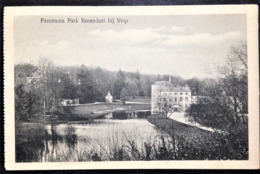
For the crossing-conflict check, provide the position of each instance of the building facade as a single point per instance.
(109, 98)
(177, 98)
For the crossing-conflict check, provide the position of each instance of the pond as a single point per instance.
(113, 136)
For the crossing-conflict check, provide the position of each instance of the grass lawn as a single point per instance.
(93, 110)
(140, 100)
(174, 128)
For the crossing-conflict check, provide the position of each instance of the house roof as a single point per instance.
(169, 87)
(179, 89)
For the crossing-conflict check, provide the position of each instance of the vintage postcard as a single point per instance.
(131, 87)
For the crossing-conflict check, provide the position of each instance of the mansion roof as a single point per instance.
(179, 89)
(169, 87)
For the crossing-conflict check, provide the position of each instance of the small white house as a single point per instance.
(109, 98)
(69, 102)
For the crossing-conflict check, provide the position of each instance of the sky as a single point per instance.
(187, 46)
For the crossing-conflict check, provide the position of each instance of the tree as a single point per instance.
(21, 104)
(123, 95)
(166, 109)
(233, 80)
(226, 98)
(195, 85)
(103, 82)
(22, 71)
(67, 89)
(119, 84)
(86, 90)
(132, 88)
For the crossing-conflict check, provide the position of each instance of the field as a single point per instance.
(93, 110)
(141, 100)
(97, 109)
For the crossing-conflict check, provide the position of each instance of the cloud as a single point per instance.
(132, 36)
(201, 39)
(177, 29)
(162, 37)
(150, 50)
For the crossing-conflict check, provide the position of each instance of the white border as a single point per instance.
(252, 39)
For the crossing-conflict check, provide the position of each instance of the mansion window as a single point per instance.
(164, 99)
(186, 93)
(175, 93)
(186, 99)
(175, 99)
(181, 99)
(170, 100)
(180, 93)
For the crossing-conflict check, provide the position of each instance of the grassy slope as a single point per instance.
(141, 100)
(104, 108)
(174, 128)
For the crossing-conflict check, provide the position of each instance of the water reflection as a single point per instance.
(70, 136)
(105, 138)
(126, 115)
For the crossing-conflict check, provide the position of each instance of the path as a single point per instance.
(179, 116)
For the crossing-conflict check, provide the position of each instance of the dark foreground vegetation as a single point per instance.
(195, 143)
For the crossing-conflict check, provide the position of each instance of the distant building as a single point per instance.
(69, 102)
(177, 97)
(109, 98)
(34, 78)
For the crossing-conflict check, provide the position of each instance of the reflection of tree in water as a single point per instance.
(29, 142)
(70, 137)
(54, 137)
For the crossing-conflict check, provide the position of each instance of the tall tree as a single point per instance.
(86, 90)
(227, 97)
(22, 104)
(233, 78)
(119, 84)
(132, 88)
(123, 95)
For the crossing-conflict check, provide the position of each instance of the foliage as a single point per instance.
(119, 84)
(132, 88)
(166, 109)
(86, 92)
(22, 104)
(191, 143)
(226, 103)
(124, 95)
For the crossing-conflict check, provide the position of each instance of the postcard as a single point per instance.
(144, 87)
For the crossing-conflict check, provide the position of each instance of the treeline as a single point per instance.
(40, 87)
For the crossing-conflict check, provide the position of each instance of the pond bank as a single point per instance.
(91, 111)
(180, 117)
(174, 128)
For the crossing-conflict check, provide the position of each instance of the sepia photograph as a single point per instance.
(108, 88)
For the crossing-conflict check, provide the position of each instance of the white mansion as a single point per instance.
(178, 98)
